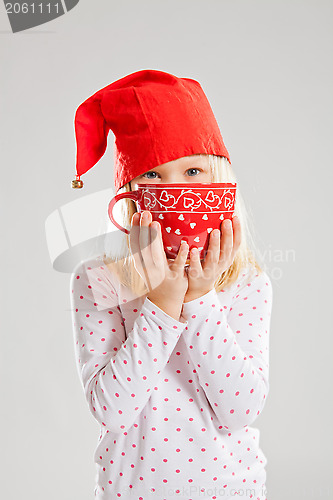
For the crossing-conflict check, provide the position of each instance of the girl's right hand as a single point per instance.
(166, 281)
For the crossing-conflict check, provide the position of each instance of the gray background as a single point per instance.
(267, 69)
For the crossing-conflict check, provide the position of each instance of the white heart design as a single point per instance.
(197, 239)
(181, 217)
(227, 202)
(161, 216)
(221, 217)
(188, 202)
(209, 229)
(168, 229)
(210, 196)
(164, 196)
(169, 248)
(193, 224)
(148, 201)
(205, 217)
(177, 231)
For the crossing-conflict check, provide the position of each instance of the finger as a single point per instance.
(139, 262)
(213, 252)
(195, 269)
(143, 254)
(134, 235)
(157, 248)
(226, 241)
(144, 238)
(179, 262)
(237, 235)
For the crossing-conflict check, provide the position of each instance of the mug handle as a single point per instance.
(133, 195)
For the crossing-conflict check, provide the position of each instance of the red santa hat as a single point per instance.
(156, 117)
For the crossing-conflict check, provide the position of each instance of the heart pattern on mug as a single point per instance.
(228, 202)
(189, 213)
(188, 202)
(210, 196)
(185, 212)
(164, 196)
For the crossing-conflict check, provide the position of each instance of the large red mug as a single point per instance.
(186, 211)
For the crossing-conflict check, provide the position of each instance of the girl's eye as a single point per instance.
(147, 175)
(193, 169)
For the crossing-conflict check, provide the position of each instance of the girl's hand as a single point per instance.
(166, 281)
(220, 255)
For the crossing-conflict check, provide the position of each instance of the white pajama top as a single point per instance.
(174, 400)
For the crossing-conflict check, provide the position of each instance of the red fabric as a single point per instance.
(155, 117)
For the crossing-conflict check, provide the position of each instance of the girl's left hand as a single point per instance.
(220, 255)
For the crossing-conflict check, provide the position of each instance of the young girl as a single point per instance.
(173, 360)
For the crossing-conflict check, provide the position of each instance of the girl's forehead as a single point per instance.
(186, 160)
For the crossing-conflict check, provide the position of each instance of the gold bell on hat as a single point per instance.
(77, 183)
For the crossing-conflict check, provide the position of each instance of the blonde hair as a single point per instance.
(123, 263)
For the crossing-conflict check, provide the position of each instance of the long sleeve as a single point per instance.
(230, 349)
(117, 375)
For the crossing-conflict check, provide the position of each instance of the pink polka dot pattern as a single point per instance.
(174, 399)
